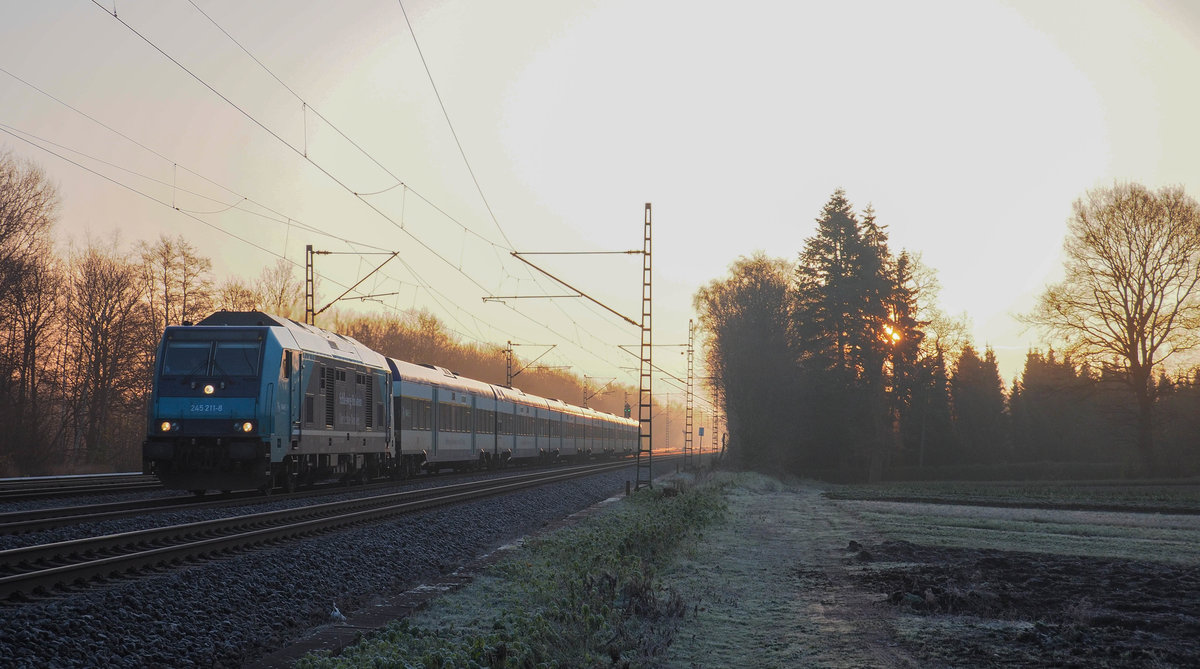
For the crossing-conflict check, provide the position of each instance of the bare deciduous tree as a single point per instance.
(234, 294)
(1131, 296)
(177, 280)
(195, 284)
(108, 325)
(27, 208)
(280, 290)
(745, 318)
(34, 311)
(28, 288)
(158, 265)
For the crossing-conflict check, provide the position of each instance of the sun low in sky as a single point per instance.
(254, 129)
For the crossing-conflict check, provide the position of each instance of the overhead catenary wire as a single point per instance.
(449, 123)
(26, 137)
(421, 283)
(453, 132)
(445, 113)
(308, 107)
(346, 187)
(144, 194)
(281, 217)
(278, 217)
(462, 152)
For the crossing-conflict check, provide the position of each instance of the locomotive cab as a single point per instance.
(207, 414)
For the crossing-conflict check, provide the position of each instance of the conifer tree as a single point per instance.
(844, 292)
(977, 394)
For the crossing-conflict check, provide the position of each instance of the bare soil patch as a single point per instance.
(989, 607)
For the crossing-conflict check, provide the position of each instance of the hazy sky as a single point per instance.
(969, 126)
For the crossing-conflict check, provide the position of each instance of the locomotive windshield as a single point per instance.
(225, 353)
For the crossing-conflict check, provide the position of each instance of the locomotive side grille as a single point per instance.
(370, 405)
(330, 393)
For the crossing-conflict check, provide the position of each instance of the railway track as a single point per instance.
(19, 522)
(43, 568)
(14, 490)
(36, 520)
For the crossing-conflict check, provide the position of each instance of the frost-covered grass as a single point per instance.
(584, 596)
(764, 586)
(1101, 519)
(1141, 536)
(1147, 495)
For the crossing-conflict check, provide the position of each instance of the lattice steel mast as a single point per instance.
(645, 453)
(687, 415)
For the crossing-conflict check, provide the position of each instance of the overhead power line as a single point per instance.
(309, 107)
(453, 132)
(445, 113)
(336, 180)
(399, 182)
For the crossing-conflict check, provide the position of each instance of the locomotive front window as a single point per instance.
(234, 352)
(185, 358)
(235, 358)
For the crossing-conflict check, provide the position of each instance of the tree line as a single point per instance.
(78, 333)
(841, 364)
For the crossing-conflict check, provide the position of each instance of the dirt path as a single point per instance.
(771, 588)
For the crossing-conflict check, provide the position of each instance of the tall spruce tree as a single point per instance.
(844, 289)
(914, 380)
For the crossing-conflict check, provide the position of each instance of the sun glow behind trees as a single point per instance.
(828, 369)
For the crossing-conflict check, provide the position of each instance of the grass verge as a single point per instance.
(581, 597)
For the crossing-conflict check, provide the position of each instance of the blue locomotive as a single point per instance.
(247, 400)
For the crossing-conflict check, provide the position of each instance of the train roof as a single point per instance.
(402, 370)
(324, 342)
(301, 336)
(433, 375)
(518, 396)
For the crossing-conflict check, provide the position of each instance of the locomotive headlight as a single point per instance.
(166, 426)
(246, 427)
(208, 390)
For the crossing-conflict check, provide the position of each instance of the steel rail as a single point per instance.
(19, 490)
(36, 568)
(23, 522)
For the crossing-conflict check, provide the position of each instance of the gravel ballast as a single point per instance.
(231, 611)
(166, 517)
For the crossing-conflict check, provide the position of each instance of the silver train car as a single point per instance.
(445, 420)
